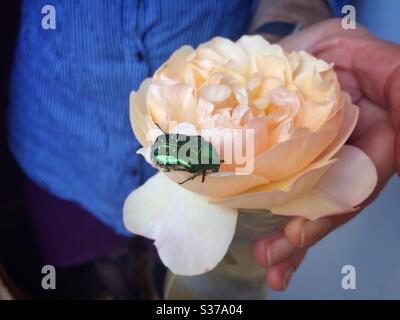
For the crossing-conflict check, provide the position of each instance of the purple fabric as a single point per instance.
(67, 234)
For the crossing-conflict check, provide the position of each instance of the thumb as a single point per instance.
(309, 38)
(393, 100)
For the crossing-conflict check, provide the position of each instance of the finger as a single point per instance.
(259, 251)
(377, 67)
(312, 36)
(308, 37)
(303, 233)
(269, 252)
(278, 276)
(374, 63)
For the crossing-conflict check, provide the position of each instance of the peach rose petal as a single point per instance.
(313, 115)
(174, 102)
(218, 185)
(349, 122)
(259, 127)
(204, 112)
(257, 48)
(253, 140)
(175, 64)
(313, 85)
(184, 128)
(140, 120)
(345, 185)
(254, 82)
(283, 97)
(191, 235)
(241, 115)
(262, 90)
(288, 157)
(272, 194)
(303, 60)
(236, 56)
(274, 67)
(215, 92)
(193, 74)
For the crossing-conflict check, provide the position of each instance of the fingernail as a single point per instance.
(314, 230)
(286, 277)
(277, 251)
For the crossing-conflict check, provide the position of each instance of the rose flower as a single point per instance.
(299, 118)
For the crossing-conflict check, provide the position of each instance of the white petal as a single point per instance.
(145, 153)
(191, 235)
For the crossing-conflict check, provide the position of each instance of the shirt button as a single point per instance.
(135, 172)
(139, 56)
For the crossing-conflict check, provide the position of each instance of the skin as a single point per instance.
(303, 12)
(369, 69)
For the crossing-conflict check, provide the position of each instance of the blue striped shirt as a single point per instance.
(69, 112)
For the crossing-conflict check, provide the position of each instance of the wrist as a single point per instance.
(273, 31)
(303, 12)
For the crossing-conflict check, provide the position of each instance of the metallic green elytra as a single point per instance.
(181, 152)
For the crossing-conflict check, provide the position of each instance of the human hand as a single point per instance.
(369, 69)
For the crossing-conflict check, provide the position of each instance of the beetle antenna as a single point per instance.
(160, 128)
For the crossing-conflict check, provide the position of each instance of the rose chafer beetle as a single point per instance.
(179, 152)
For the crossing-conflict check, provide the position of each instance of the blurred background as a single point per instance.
(370, 242)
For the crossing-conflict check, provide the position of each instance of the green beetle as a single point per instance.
(181, 152)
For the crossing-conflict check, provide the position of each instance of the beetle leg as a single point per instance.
(185, 180)
(203, 177)
(190, 178)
